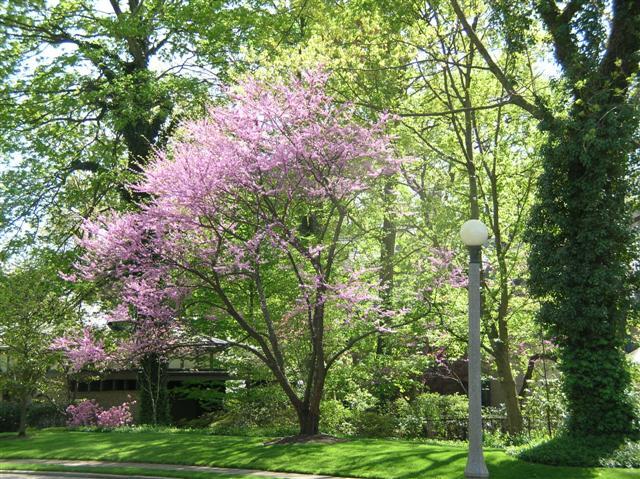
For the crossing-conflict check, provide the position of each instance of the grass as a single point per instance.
(124, 471)
(367, 458)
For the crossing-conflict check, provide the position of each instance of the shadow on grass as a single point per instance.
(14, 437)
(366, 458)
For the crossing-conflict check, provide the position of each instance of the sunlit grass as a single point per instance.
(367, 458)
(124, 471)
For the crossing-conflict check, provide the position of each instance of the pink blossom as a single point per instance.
(255, 195)
(83, 414)
(117, 416)
(81, 351)
(89, 413)
(445, 272)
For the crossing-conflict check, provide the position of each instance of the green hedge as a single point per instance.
(40, 415)
(586, 451)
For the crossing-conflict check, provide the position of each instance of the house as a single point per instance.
(183, 375)
(115, 387)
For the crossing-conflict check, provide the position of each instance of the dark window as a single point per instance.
(131, 385)
(119, 385)
(83, 387)
(107, 385)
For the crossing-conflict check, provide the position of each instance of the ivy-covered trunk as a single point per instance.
(580, 227)
(154, 396)
(581, 260)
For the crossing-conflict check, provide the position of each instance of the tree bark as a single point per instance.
(309, 421)
(387, 252)
(24, 410)
(154, 397)
(508, 386)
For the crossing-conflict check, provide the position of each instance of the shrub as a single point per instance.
(586, 451)
(9, 417)
(39, 415)
(83, 414)
(432, 415)
(117, 416)
(336, 418)
(374, 424)
(262, 408)
(45, 415)
(89, 413)
(544, 406)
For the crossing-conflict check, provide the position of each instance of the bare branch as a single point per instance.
(507, 84)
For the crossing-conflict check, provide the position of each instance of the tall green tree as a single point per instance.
(34, 310)
(580, 226)
(89, 94)
(474, 157)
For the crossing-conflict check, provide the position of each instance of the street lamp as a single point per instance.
(474, 233)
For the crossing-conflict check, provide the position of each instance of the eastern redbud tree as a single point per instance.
(254, 210)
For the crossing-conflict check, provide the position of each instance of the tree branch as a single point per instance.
(507, 84)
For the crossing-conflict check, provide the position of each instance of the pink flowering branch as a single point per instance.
(81, 351)
(261, 188)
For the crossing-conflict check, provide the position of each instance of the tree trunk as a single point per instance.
(309, 420)
(154, 397)
(387, 252)
(24, 409)
(508, 386)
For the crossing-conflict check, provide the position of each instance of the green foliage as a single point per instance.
(336, 418)
(432, 415)
(516, 18)
(209, 394)
(373, 424)
(256, 408)
(586, 451)
(88, 91)
(34, 310)
(40, 415)
(545, 406)
(580, 260)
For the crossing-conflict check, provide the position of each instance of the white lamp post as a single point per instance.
(474, 233)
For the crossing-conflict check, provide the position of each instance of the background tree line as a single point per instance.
(539, 149)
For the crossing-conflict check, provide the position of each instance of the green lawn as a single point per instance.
(368, 458)
(124, 471)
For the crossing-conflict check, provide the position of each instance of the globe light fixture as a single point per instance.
(474, 234)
